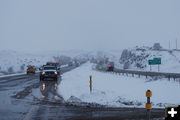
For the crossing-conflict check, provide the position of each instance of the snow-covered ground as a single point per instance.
(115, 90)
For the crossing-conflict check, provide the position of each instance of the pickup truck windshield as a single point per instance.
(49, 68)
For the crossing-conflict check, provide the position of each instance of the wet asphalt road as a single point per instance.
(24, 97)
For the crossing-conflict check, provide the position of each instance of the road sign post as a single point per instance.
(158, 68)
(148, 104)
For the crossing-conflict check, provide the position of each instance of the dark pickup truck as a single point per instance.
(49, 72)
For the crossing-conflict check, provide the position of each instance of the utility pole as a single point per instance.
(169, 45)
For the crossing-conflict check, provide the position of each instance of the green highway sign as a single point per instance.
(155, 61)
(150, 62)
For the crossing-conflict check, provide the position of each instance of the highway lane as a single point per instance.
(16, 94)
(24, 97)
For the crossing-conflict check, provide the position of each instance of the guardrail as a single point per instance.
(175, 76)
(149, 73)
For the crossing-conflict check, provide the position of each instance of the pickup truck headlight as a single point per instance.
(55, 73)
(43, 73)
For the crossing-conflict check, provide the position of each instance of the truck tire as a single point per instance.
(41, 79)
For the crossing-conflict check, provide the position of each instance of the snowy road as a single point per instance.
(23, 97)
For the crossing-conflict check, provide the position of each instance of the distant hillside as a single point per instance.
(15, 62)
(137, 58)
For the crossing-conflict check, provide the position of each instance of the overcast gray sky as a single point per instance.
(37, 25)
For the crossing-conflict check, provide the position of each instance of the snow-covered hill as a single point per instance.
(137, 58)
(16, 62)
(13, 62)
(112, 55)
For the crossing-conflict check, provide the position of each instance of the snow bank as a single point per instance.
(115, 90)
(2, 76)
